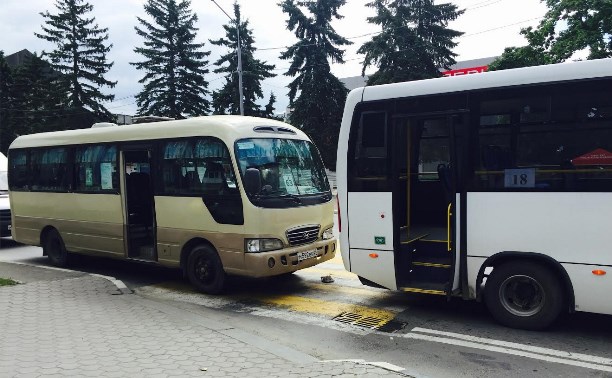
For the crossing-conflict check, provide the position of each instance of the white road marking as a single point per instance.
(524, 351)
(529, 348)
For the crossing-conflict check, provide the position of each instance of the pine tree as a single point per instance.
(316, 96)
(415, 42)
(268, 111)
(6, 104)
(40, 98)
(80, 55)
(226, 100)
(174, 65)
(569, 26)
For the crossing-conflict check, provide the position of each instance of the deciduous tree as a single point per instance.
(570, 29)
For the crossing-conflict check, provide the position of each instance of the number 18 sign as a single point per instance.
(519, 178)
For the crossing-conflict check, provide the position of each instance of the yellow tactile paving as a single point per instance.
(321, 307)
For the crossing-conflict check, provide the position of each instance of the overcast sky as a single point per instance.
(489, 27)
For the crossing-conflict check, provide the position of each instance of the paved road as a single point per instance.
(73, 324)
(430, 337)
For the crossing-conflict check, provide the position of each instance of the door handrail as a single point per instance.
(448, 226)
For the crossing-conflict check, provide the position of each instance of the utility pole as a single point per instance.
(239, 52)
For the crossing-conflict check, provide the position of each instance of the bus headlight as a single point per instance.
(328, 234)
(262, 245)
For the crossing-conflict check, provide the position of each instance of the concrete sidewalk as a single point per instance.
(74, 324)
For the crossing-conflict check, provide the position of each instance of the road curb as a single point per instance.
(382, 365)
(121, 287)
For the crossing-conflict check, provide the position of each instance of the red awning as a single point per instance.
(595, 157)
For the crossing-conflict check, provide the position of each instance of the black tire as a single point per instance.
(54, 248)
(205, 270)
(524, 295)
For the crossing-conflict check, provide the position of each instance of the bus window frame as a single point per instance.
(116, 191)
(159, 161)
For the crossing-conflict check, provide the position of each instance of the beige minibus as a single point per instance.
(215, 196)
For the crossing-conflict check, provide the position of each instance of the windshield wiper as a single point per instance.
(293, 197)
(277, 194)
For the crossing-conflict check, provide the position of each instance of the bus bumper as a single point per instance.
(286, 260)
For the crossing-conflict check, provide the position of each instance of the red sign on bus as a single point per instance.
(465, 71)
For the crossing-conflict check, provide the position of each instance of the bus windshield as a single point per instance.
(288, 167)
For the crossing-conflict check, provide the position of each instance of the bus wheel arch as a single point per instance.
(514, 274)
(53, 246)
(203, 267)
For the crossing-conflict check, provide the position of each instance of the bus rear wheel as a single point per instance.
(524, 295)
(205, 270)
(54, 248)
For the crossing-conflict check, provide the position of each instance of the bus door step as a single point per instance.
(434, 288)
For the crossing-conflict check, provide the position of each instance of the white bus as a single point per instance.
(495, 187)
(212, 195)
(5, 208)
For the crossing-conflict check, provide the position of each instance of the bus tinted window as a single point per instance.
(49, 170)
(18, 169)
(96, 169)
(371, 148)
(559, 140)
(196, 167)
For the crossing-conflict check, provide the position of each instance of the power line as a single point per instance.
(502, 27)
(482, 4)
(474, 6)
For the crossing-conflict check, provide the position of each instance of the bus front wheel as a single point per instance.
(55, 249)
(524, 295)
(205, 270)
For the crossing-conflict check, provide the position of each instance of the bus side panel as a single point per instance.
(25, 226)
(371, 232)
(180, 219)
(569, 227)
(86, 222)
(592, 291)
(380, 270)
(96, 223)
(371, 216)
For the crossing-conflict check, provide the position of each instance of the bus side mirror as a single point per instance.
(252, 181)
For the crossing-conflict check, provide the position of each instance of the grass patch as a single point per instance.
(7, 282)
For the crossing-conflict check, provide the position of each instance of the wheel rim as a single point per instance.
(522, 295)
(204, 270)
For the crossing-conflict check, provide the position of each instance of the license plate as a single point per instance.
(305, 255)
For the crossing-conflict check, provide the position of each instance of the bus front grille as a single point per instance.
(303, 234)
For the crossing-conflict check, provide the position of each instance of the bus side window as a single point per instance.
(371, 147)
(49, 171)
(95, 168)
(18, 169)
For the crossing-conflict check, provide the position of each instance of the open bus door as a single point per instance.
(139, 204)
(426, 204)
